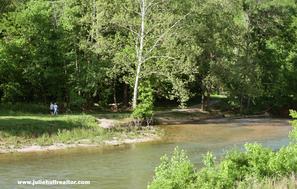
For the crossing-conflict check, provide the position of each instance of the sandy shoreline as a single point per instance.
(61, 146)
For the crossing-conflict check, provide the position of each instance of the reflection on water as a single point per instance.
(132, 166)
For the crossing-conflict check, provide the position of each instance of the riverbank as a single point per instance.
(194, 115)
(29, 133)
(62, 146)
(40, 132)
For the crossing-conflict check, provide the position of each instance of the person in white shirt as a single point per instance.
(51, 108)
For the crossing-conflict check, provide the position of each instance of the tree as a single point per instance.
(213, 30)
(29, 45)
(271, 37)
(150, 24)
(140, 36)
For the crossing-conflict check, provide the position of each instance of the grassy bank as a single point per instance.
(17, 131)
(30, 124)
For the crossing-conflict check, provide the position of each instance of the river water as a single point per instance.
(132, 166)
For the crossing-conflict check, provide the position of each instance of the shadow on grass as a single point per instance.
(24, 127)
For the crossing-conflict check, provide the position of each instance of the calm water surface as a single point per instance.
(132, 166)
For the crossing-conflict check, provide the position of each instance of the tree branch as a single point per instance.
(152, 57)
(164, 34)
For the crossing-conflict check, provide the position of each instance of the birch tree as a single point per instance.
(150, 25)
(146, 39)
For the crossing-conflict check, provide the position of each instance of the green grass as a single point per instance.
(37, 129)
(218, 96)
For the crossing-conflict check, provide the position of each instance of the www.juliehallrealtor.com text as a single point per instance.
(53, 182)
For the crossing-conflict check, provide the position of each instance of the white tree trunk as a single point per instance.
(139, 51)
(143, 56)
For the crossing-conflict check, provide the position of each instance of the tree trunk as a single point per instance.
(115, 96)
(140, 53)
(207, 101)
(203, 102)
(135, 91)
(125, 95)
(248, 103)
(241, 104)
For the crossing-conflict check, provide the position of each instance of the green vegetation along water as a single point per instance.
(132, 166)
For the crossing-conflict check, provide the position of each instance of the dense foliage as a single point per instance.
(145, 107)
(237, 169)
(81, 52)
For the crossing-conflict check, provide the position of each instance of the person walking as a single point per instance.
(55, 109)
(51, 108)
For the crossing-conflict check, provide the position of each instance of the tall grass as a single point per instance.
(269, 183)
(46, 129)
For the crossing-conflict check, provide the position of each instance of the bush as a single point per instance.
(284, 162)
(293, 134)
(255, 162)
(236, 166)
(175, 172)
(144, 109)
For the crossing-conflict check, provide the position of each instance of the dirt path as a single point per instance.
(106, 123)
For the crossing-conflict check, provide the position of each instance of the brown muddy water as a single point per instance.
(132, 166)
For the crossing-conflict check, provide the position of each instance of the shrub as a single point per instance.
(284, 162)
(293, 133)
(236, 166)
(175, 172)
(144, 109)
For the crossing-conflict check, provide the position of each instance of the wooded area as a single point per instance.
(81, 52)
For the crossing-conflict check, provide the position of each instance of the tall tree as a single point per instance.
(146, 32)
(214, 33)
